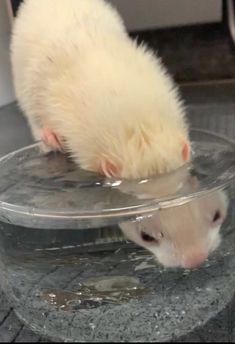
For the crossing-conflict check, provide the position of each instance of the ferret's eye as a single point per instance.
(217, 216)
(148, 238)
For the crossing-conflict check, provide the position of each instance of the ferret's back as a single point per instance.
(50, 19)
(44, 29)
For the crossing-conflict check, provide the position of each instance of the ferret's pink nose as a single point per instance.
(194, 260)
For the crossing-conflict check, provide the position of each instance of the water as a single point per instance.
(115, 292)
(51, 192)
(71, 275)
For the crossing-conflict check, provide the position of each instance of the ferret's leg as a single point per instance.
(51, 140)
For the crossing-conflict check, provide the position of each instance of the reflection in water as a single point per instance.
(96, 292)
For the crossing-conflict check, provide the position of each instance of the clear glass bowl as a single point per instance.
(69, 272)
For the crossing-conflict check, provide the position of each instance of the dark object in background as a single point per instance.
(15, 5)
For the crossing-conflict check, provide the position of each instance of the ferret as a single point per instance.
(182, 235)
(88, 89)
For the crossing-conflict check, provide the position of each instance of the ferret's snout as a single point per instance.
(194, 260)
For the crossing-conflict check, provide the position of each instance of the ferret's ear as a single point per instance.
(186, 151)
(110, 169)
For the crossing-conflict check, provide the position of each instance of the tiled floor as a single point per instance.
(209, 106)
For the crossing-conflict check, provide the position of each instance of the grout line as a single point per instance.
(17, 333)
(6, 316)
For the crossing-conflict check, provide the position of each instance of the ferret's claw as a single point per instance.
(52, 140)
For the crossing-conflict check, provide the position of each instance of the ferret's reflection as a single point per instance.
(179, 236)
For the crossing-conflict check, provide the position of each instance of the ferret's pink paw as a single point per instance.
(51, 140)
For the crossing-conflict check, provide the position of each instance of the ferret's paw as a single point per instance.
(51, 141)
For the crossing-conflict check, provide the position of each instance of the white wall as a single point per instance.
(144, 14)
(6, 87)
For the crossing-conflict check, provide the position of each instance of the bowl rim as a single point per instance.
(13, 214)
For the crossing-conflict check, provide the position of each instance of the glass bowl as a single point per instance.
(70, 273)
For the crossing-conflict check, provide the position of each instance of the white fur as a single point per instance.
(188, 230)
(77, 72)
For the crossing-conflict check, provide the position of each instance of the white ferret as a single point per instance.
(183, 235)
(87, 88)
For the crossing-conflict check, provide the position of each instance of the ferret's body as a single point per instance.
(78, 75)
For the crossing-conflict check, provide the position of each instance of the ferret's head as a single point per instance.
(150, 136)
(182, 236)
(132, 120)
(145, 151)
